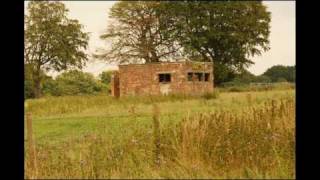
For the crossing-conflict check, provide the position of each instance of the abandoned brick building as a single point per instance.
(162, 78)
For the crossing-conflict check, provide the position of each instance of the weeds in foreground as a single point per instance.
(258, 142)
(262, 87)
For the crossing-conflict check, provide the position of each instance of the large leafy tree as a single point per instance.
(227, 32)
(139, 32)
(29, 80)
(52, 41)
(223, 73)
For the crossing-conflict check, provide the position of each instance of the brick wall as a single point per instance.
(143, 79)
(115, 84)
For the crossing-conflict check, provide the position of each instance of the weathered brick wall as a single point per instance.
(115, 91)
(144, 79)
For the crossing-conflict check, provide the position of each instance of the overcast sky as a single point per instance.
(94, 16)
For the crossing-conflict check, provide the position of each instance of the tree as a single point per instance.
(281, 79)
(281, 73)
(228, 32)
(29, 80)
(223, 73)
(50, 87)
(52, 41)
(76, 82)
(245, 77)
(262, 79)
(105, 77)
(139, 33)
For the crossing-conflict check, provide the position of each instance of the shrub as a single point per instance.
(74, 83)
(28, 89)
(283, 72)
(105, 77)
(262, 79)
(281, 79)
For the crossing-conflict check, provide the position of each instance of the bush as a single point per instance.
(262, 79)
(73, 82)
(281, 79)
(51, 87)
(28, 89)
(281, 72)
(105, 77)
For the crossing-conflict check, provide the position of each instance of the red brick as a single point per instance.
(142, 79)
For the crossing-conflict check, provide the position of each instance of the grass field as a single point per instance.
(233, 135)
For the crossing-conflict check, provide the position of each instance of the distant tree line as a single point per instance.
(75, 82)
(72, 82)
(277, 73)
(226, 33)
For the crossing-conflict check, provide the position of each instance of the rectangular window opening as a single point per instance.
(164, 78)
(206, 76)
(199, 76)
(190, 75)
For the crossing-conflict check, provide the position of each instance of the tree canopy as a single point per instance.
(226, 33)
(52, 41)
(138, 32)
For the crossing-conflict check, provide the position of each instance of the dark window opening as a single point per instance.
(164, 78)
(206, 76)
(190, 76)
(199, 76)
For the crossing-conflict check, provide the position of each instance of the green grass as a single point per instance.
(96, 129)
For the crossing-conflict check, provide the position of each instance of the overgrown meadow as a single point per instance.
(248, 134)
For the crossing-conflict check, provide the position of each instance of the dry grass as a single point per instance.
(257, 141)
(254, 87)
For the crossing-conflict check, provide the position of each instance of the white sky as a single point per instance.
(94, 16)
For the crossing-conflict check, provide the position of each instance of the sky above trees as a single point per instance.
(94, 16)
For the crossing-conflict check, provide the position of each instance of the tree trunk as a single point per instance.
(37, 82)
(213, 73)
(154, 57)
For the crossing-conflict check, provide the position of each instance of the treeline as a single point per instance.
(75, 82)
(277, 73)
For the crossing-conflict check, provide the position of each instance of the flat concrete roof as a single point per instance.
(152, 63)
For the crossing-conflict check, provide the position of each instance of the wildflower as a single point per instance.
(82, 162)
(134, 141)
(268, 125)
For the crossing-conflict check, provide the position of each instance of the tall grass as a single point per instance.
(255, 87)
(257, 142)
(79, 104)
